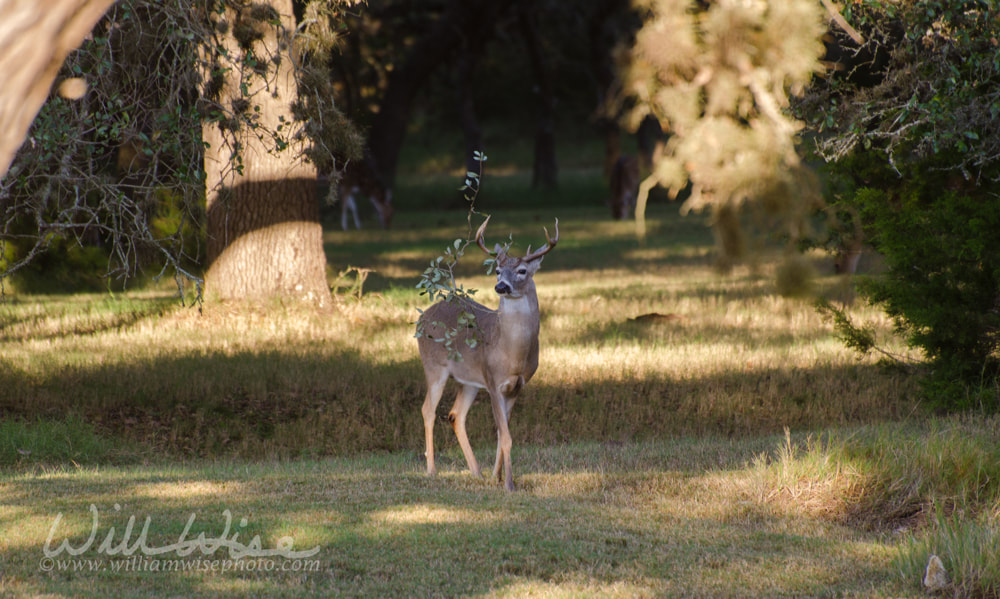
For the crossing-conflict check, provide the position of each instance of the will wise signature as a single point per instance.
(111, 545)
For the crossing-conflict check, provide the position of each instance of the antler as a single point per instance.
(545, 249)
(479, 237)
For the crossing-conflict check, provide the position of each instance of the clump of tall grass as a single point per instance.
(937, 482)
(969, 549)
(890, 474)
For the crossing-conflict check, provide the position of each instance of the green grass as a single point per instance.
(931, 484)
(970, 551)
(640, 519)
(679, 517)
(650, 460)
(69, 441)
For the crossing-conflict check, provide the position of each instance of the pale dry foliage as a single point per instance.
(718, 78)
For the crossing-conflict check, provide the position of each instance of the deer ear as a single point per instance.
(498, 250)
(534, 264)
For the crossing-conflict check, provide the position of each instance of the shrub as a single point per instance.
(920, 167)
(942, 287)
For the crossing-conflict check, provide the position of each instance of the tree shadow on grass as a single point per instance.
(673, 328)
(253, 404)
(671, 242)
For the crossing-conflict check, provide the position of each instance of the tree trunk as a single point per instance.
(389, 125)
(602, 67)
(461, 18)
(35, 38)
(264, 234)
(265, 240)
(471, 131)
(651, 140)
(545, 173)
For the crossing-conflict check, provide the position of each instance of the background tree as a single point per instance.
(113, 181)
(516, 70)
(460, 26)
(545, 168)
(120, 176)
(264, 235)
(908, 126)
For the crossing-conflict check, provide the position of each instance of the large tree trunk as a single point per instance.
(265, 240)
(264, 235)
(35, 38)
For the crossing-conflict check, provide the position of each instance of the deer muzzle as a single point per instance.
(502, 288)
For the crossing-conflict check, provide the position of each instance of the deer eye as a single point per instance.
(522, 271)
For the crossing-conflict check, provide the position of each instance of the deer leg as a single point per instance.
(354, 209)
(466, 396)
(508, 404)
(504, 441)
(435, 387)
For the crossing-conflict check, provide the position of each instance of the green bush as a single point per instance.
(907, 125)
(942, 286)
(65, 266)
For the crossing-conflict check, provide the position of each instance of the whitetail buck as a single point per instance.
(502, 360)
(359, 178)
(624, 186)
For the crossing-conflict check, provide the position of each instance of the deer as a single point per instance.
(624, 186)
(358, 177)
(502, 359)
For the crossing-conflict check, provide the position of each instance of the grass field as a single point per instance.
(737, 449)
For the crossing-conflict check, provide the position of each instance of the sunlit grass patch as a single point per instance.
(648, 518)
(932, 485)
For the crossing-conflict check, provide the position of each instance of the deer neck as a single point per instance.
(519, 321)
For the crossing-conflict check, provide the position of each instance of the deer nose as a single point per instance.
(502, 288)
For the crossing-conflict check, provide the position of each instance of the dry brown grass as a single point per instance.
(278, 379)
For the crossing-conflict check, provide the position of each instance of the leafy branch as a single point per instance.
(438, 279)
(859, 338)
